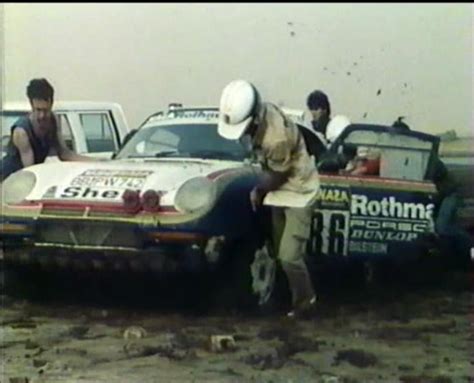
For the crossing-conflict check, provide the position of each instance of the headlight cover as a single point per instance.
(17, 186)
(195, 194)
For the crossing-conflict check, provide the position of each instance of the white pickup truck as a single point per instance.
(88, 127)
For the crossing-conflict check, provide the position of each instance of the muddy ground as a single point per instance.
(381, 333)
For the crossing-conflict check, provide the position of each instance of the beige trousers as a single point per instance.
(291, 230)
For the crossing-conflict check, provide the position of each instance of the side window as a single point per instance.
(66, 131)
(404, 164)
(98, 131)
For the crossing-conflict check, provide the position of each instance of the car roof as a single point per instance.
(206, 114)
(389, 133)
(24, 106)
(388, 128)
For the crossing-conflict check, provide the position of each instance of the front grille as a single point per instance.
(89, 234)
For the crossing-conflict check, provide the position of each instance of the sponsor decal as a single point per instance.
(102, 184)
(111, 179)
(390, 207)
(333, 198)
(203, 113)
(88, 193)
(346, 223)
(368, 247)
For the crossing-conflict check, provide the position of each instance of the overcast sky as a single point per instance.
(375, 61)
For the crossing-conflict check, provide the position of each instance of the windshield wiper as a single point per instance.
(165, 153)
(216, 155)
(204, 154)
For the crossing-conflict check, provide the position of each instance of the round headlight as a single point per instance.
(196, 194)
(17, 186)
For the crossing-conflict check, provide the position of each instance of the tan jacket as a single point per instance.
(280, 147)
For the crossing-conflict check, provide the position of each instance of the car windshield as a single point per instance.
(184, 141)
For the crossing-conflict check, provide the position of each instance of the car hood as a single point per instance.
(106, 181)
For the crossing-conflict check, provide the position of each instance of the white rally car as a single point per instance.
(174, 199)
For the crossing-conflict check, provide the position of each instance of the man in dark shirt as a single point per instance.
(320, 109)
(37, 135)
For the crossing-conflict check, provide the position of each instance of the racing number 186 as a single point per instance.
(329, 233)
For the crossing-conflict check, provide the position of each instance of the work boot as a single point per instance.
(299, 283)
(304, 309)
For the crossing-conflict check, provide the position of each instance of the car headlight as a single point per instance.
(17, 186)
(196, 194)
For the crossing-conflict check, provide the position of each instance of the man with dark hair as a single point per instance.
(320, 108)
(37, 135)
(40, 89)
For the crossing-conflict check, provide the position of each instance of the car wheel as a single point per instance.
(18, 282)
(233, 284)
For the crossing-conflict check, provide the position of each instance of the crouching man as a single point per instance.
(288, 168)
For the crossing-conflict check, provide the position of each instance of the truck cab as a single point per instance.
(88, 127)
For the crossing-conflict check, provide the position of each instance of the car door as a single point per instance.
(100, 133)
(69, 137)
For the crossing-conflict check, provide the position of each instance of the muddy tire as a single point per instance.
(19, 282)
(233, 282)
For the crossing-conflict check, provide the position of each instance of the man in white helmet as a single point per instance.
(287, 166)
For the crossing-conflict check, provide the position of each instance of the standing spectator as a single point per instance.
(320, 109)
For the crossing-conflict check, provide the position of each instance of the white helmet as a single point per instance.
(238, 105)
(336, 126)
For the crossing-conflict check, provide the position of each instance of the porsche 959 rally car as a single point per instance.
(375, 216)
(172, 199)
